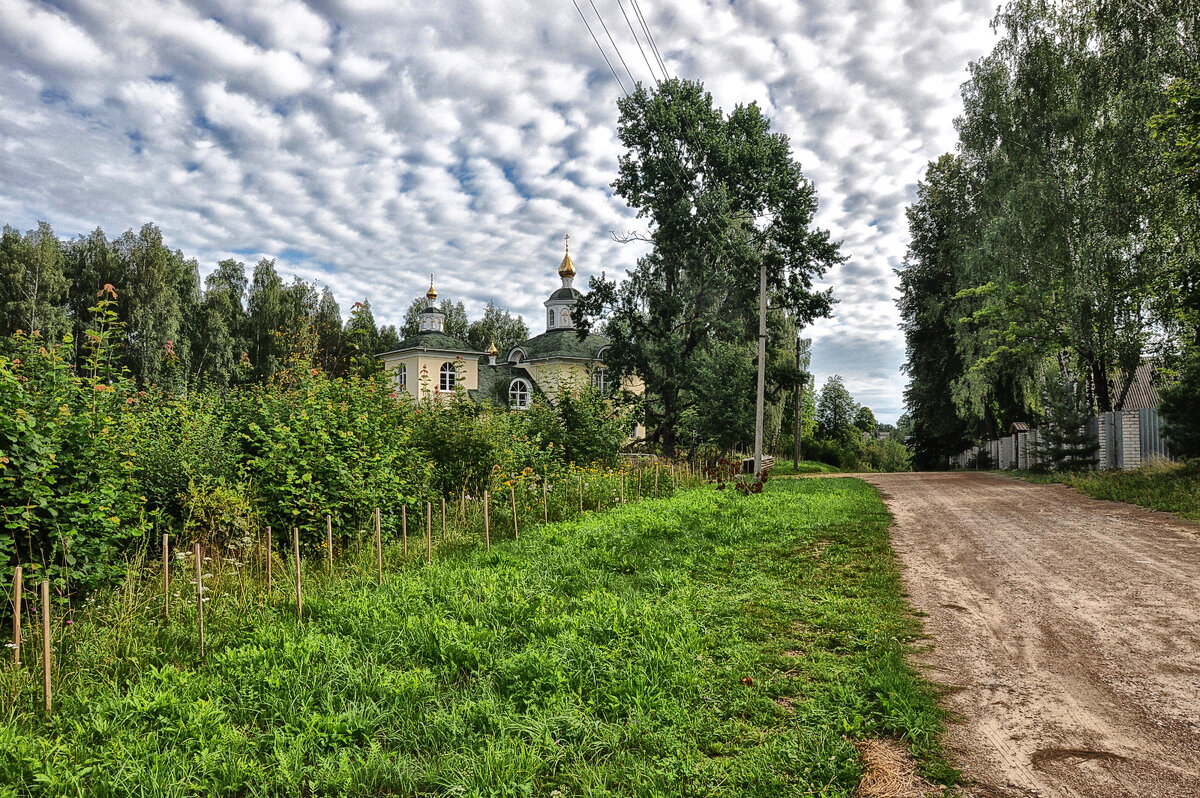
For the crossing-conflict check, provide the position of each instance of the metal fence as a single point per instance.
(1128, 438)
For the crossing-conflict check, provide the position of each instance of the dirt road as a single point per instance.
(1067, 631)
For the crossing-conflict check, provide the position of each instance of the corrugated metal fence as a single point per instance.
(1127, 438)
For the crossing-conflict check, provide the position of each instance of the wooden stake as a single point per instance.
(270, 557)
(299, 589)
(47, 691)
(428, 532)
(545, 504)
(443, 518)
(487, 523)
(656, 480)
(378, 547)
(512, 491)
(199, 597)
(329, 541)
(18, 588)
(166, 577)
(404, 526)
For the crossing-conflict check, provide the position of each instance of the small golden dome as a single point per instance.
(567, 267)
(492, 350)
(432, 292)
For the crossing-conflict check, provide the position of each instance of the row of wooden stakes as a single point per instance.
(44, 586)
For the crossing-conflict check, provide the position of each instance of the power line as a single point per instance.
(613, 42)
(637, 41)
(637, 9)
(601, 49)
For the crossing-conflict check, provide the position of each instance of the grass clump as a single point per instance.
(1160, 485)
(708, 644)
(784, 468)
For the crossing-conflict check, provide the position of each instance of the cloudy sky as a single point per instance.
(367, 143)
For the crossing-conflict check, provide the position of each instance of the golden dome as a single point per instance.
(432, 292)
(492, 350)
(567, 267)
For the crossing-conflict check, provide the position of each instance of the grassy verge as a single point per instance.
(1162, 485)
(784, 468)
(708, 644)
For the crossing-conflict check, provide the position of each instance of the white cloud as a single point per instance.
(375, 142)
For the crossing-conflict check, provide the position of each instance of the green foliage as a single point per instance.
(1181, 410)
(71, 505)
(837, 412)
(721, 195)
(313, 444)
(1066, 442)
(1159, 485)
(590, 428)
(1058, 227)
(697, 645)
(497, 326)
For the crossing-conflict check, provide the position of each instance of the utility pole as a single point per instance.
(797, 395)
(762, 365)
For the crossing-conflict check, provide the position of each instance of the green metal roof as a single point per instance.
(435, 341)
(562, 343)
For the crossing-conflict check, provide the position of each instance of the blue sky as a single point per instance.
(367, 143)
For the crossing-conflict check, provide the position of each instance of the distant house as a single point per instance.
(432, 363)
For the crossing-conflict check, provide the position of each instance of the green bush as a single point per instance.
(1180, 403)
(312, 444)
(71, 505)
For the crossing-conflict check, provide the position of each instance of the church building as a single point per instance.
(431, 362)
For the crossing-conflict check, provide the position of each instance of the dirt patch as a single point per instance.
(1066, 632)
(889, 772)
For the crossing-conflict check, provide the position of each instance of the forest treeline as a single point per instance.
(1055, 249)
(234, 327)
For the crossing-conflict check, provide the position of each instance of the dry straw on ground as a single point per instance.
(890, 772)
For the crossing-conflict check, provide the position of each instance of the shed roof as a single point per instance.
(1142, 393)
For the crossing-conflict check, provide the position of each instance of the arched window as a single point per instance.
(401, 376)
(600, 380)
(449, 375)
(518, 394)
(564, 317)
(549, 317)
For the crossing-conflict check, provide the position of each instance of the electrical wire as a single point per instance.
(637, 10)
(638, 42)
(601, 49)
(613, 42)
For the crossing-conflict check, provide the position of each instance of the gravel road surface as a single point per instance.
(1065, 630)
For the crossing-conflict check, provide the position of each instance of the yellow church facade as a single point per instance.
(432, 363)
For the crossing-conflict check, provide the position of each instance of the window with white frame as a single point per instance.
(518, 394)
(448, 377)
(600, 379)
(401, 376)
(549, 317)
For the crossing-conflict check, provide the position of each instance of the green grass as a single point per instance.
(1161, 485)
(784, 468)
(708, 644)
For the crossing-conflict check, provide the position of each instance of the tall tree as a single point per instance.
(266, 319)
(156, 290)
(457, 324)
(331, 340)
(939, 226)
(33, 282)
(223, 325)
(836, 411)
(498, 326)
(721, 195)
